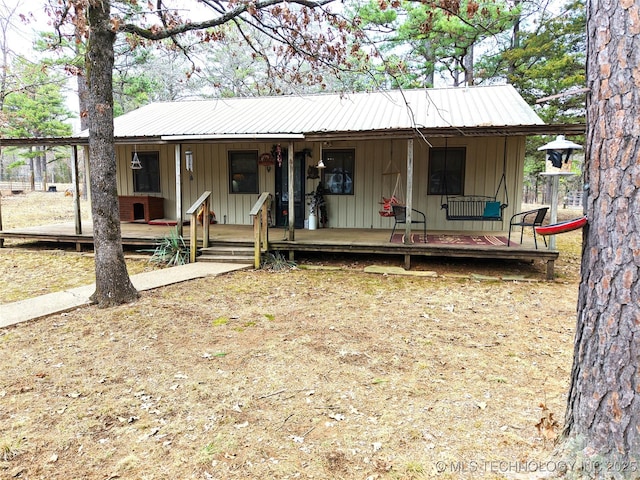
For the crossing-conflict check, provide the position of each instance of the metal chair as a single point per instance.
(530, 218)
(400, 216)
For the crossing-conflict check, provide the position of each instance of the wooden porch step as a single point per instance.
(238, 249)
(225, 259)
(227, 254)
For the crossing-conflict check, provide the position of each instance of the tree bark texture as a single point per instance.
(113, 286)
(468, 63)
(602, 421)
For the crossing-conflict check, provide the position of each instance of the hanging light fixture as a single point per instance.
(135, 161)
(319, 173)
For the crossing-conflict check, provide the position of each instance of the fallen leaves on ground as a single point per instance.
(294, 374)
(337, 374)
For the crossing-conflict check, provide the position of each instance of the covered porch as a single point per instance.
(371, 242)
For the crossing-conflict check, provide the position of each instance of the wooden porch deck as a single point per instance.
(329, 240)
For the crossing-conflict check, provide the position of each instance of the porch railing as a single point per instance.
(203, 202)
(260, 214)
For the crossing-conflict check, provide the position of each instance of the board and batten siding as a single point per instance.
(124, 153)
(483, 169)
(211, 173)
(484, 162)
(484, 166)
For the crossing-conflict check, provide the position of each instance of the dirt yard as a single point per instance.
(306, 373)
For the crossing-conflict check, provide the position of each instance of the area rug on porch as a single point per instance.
(480, 240)
(163, 221)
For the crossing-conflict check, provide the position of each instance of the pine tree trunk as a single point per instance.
(469, 65)
(43, 168)
(113, 286)
(37, 167)
(430, 61)
(32, 173)
(515, 40)
(603, 410)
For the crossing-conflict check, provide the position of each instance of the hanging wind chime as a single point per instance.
(135, 161)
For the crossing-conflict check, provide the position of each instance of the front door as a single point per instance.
(282, 190)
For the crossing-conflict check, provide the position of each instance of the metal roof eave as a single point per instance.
(70, 141)
(482, 131)
(156, 140)
(476, 131)
(43, 141)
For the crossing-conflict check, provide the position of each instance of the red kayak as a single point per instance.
(562, 227)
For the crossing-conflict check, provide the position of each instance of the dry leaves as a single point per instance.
(312, 373)
(547, 426)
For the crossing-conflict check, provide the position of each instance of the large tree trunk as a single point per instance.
(515, 41)
(603, 410)
(469, 65)
(113, 286)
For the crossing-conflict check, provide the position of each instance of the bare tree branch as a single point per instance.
(155, 33)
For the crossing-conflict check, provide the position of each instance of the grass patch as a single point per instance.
(220, 321)
(276, 262)
(346, 385)
(10, 449)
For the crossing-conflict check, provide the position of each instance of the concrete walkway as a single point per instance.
(52, 303)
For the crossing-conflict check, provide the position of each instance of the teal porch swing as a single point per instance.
(476, 207)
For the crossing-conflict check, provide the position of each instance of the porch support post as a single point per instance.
(86, 191)
(407, 228)
(553, 204)
(178, 155)
(1, 239)
(291, 193)
(76, 189)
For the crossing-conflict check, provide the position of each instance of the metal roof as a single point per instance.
(440, 108)
(479, 110)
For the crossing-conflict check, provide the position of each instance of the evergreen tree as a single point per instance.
(546, 61)
(422, 42)
(36, 108)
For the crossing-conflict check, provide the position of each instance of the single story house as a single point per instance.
(422, 146)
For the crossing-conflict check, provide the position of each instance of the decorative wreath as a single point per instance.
(266, 160)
